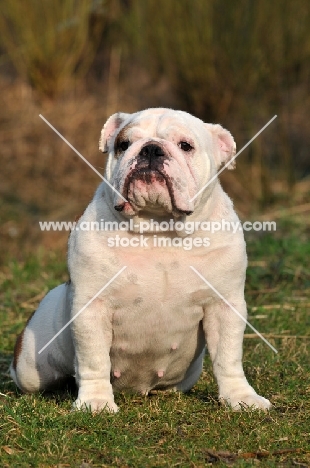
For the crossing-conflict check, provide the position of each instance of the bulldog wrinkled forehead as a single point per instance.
(156, 117)
(150, 121)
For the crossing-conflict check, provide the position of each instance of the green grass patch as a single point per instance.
(171, 429)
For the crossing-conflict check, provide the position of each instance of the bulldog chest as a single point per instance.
(157, 333)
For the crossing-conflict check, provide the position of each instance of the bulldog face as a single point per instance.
(159, 158)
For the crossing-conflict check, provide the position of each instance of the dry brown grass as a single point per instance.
(41, 178)
(49, 42)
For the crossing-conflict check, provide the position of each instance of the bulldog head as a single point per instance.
(160, 158)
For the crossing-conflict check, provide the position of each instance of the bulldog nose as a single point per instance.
(151, 151)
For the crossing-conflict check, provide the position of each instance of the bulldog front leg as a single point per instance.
(92, 336)
(224, 331)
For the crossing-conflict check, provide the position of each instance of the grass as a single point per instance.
(167, 429)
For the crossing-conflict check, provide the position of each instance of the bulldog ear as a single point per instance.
(225, 146)
(110, 127)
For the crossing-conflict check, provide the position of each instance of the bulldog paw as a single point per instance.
(247, 402)
(95, 405)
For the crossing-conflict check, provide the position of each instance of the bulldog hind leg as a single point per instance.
(194, 371)
(192, 374)
(32, 370)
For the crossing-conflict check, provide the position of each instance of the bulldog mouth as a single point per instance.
(149, 177)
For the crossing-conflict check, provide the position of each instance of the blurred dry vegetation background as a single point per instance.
(236, 62)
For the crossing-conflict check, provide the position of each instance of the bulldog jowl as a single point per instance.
(152, 179)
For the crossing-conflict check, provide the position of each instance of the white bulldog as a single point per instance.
(149, 327)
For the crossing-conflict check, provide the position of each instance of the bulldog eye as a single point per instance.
(185, 146)
(124, 145)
